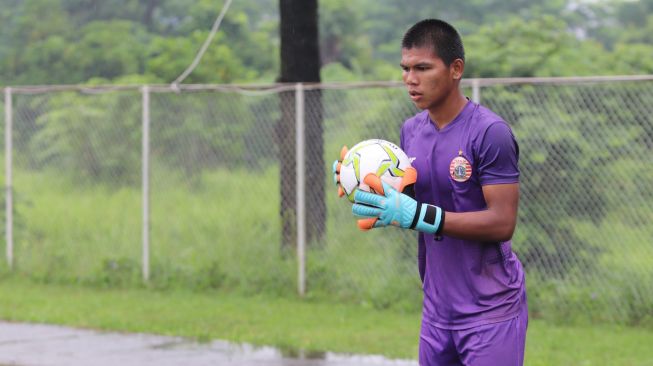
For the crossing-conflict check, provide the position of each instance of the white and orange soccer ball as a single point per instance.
(381, 157)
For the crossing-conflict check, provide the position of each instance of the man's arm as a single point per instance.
(498, 172)
(390, 207)
(496, 223)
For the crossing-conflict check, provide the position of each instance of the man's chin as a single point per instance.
(420, 105)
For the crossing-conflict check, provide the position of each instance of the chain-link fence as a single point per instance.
(199, 187)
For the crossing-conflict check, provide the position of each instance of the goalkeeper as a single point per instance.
(462, 198)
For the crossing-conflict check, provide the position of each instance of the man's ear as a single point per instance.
(457, 68)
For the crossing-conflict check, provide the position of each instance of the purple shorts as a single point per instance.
(501, 343)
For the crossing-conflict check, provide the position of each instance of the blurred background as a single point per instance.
(117, 179)
(153, 41)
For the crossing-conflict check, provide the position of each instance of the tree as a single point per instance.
(539, 47)
(125, 40)
(77, 135)
(31, 29)
(169, 56)
(300, 62)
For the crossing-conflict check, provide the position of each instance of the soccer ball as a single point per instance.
(384, 158)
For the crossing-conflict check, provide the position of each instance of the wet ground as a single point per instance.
(50, 345)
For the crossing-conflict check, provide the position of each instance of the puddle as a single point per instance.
(246, 354)
(37, 344)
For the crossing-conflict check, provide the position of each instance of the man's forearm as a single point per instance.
(486, 225)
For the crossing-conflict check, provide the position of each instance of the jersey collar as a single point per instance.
(462, 116)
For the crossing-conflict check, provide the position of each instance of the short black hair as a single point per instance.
(436, 33)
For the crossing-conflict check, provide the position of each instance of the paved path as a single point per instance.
(50, 345)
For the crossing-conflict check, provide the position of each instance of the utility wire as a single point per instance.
(205, 46)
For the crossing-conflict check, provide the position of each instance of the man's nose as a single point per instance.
(410, 77)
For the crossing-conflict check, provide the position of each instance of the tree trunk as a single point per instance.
(300, 62)
(150, 6)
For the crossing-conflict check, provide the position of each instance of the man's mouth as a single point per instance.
(414, 95)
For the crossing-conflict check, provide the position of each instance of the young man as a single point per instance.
(466, 192)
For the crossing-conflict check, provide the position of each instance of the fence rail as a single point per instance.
(222, 181)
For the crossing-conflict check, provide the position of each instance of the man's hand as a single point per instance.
(391, 207)
(336, 170)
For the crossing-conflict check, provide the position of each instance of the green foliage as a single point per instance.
(72, 41)
(342, 38)
(535, 47)
(169, 57)
(124, 39)
(335, 71)
(201, 239)
(85, 11)
(604, 306)
(28, 26)
(633, 58)
(194, 132)
(50, 59)
(78, 134)
(572, 163)
(117, 272)
(97, 137)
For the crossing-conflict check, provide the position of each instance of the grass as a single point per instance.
(222, 230)
(262, 320)
(293, 324)
(214, 233)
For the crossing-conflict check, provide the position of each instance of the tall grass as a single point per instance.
(219, 231)
(618, 290)
(222, 230)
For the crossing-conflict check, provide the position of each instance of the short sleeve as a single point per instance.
(498, 156)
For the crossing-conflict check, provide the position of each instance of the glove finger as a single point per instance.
(335, 169)
(380, 223)
(367, 224)
(343, 152)
(365, 211)
(410, 177)
(341, 192)
(369, 199)
(374, 182)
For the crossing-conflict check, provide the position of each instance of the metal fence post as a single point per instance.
(476, 91)
(146, 182)
(301, 188)
(9, 199)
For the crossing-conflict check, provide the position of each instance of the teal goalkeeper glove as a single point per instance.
(392, 207)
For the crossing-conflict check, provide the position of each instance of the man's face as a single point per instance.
(428, 80)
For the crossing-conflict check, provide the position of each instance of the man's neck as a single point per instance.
(443, 114)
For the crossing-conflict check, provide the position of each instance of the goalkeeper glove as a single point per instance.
(336, 170)
(391, 207)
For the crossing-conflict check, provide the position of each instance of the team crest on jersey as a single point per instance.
(460, 169)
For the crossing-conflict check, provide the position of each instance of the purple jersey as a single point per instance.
(466, 283)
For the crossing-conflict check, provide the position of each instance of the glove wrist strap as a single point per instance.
(428, 219)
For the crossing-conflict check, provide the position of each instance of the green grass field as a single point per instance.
(293, 324)
(217, 232)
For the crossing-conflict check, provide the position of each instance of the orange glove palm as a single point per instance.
(375, 183)
(336, 170)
